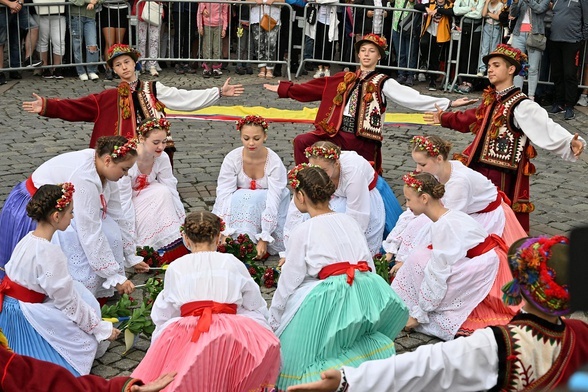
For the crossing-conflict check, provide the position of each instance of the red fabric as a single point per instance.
(496, 203)
(30, 185)
(205, 309)
(578, 330)
(491, 242)
(372, 184)
(175, 253)
(21, 373)
(141, 182)
(344, 268)
(21, 293)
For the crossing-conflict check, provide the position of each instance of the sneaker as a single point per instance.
(409, 82)
(179, 70)
(249, 70)
(47, 74)
(432, 86)
(93, 76)
(583, 101)
(15, 75)
(327, 73)
(31, 62)
(319, 74)
(83, 77)
(206, 74)
(153, 72)
(569, 114)
(422, 77)
(240, 70)
(57, 74)
(555, 109)
(189, 70)
(480, 74)
(108, 75)
(401, 79)
(2, 78)
(216, 73)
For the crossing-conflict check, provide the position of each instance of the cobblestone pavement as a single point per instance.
(559, 189)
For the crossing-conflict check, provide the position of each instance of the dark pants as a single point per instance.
(185, 32)
(564, 71)
(433, 51)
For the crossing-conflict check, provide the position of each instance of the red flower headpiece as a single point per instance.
(154, 123)
(252, 120)
(67, 189)
(423, 143)
(322, 152)
(411, 181)
(293, 180)
(223, 226)
(121, 151)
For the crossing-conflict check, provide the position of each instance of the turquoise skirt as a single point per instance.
(340, 325)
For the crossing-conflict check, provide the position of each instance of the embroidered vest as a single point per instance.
(371, 109)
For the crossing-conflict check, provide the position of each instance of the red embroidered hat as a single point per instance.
(121, 49)
(375, 39)
(510, 54)
(539, 268)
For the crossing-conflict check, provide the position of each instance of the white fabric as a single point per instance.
(156, 211)
(462, 365)
(104, 266)
(320, 241)
(69, 319)
(410, 98)
(186, 100)
(442, 286)
(257, 12)
(333, 33)
(260, 213)
(207, 276)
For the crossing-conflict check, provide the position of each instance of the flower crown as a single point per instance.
(67, 190)
(293, 180)
(121, 151)
(376, 39)
(411, 181)
(155, 123)
(252, 120)
(535, 278)
(422, 143)
(223, 225)
(323, 152)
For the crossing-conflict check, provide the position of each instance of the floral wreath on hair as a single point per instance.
(67, 190)
(411, 181)
(323, 152)
(121, 151)
(424, 144)
(252, 120)
(531, 273)
(293, 180)
(223, 225)
(159, 123)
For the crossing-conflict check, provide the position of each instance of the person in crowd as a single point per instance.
(185, 34)
(244, 43)
(148, 36)
(323, 33)
(470, 12)
(82, 24)
(51, 19)
(451, 285)
(491, 31)
(360, 193)
(211, 320)
(583, 100)
(530, 17)
(43, 311)
(251, 193)
(213, 20)
(265, 39)
(503, 125)
(351, 123)
(98, 240)
(569, 30)
(466, 190)
(149, 193)
(119, 111)
(114, 20)
(406, 43)
(329, 308)
(538, 350)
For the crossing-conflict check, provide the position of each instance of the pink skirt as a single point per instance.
(513, 230)
(236, 354)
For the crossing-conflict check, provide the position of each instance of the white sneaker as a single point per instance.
(327, 73)
(153, 71)
(422, 77)
(480, 74)
(583, 101)
(83, 77)
(93, 76)
(319, 74)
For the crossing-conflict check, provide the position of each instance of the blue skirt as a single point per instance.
(24, 339)
(14, 222)
(391, 205)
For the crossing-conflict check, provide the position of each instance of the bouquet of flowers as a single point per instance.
(270, 277)
(242, 248)
(150, 256)
(383, 266)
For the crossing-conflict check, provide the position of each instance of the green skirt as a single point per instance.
(340, 325)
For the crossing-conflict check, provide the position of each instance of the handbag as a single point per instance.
(311, 14)
(536, 41)
(411, 23)
(151, 13)
(267, 22)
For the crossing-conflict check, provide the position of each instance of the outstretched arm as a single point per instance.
(33, 106)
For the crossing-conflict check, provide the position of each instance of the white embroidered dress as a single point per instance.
(442, 286)
(259, 212)
(69, 318)
(153, 203)
(98, 240)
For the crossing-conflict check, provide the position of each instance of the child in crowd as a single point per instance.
(491, 32)
(212, 20)
(251, 193)
(44, 313)
(211, 320)
(329, 309)
(148, 36)
(244, 43)
(51, 20)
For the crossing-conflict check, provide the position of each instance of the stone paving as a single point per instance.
(559, 189)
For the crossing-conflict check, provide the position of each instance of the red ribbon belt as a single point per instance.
(496, 203)
(21, 293)
(344, 268)
(491, 242)
(372, 184)
(30, 185)
(141, 182)
(205, 309)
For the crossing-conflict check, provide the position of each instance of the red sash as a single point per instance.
(205, 309)
(496, 203)
(30, 185)
(491, 242)
(372, 184)
(8, 287)
(344, 268)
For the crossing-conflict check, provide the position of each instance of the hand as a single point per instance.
(271, 87)
(223, 33)
(395, 268)
(114, 334)
(125, 288)
(156, 385)
(433, 117)
(205, 13)
(261, 249)
(141, 267)
(411, 324)
(232, 90)
(281, 261)
(33, 106)
(90, 6)
(370, 14)
(577, 145)
(201, 31)
(15, 7)
(330, 380)
(389, 256)
(464, 101)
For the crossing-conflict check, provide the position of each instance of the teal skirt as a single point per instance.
(340, 325)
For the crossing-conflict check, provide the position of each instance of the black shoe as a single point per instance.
(31, 62)
(249, 70)
(569, 114)
(2, 78)
(108, 75)
(206, 74)
(179, 70)
(57, 74)
(555, 108)
(240, 70)
(15, 75)
(277, 72)
(47, 74)
(216, 73)
(432, 86)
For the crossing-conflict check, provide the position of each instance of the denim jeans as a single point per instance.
(520, 42)
(84, 28)
(406, 46)
(491, 37)
(12, 27)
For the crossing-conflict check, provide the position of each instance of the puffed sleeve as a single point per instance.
(358, 196)
(126, 226)
(410, 98)
(277, 180)
(166, 177)
(226, 186)
(392, 243)
(459, 197)
(186, 100)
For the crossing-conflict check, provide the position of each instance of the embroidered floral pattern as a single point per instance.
(348, 78)
(124, 100)
(67, 190)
